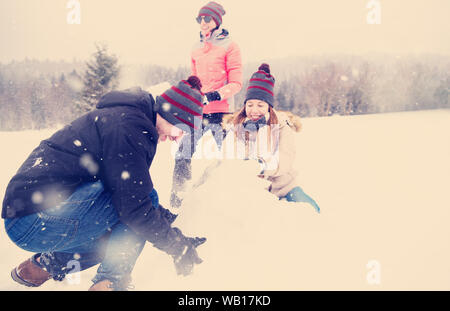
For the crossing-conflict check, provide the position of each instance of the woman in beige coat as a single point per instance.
(259, 132)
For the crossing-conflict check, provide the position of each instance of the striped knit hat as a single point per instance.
(214, 10)
(182, 104)
(261, 85)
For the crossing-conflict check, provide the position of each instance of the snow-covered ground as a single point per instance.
(382, 182)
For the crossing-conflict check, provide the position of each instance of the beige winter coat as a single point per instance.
(273, 145)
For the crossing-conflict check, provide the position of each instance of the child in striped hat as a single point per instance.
(267, 135)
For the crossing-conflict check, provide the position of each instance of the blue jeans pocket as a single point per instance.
(44, 233)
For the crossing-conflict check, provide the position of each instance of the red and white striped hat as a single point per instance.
(213, 9)
(182, 105)
(261, 85)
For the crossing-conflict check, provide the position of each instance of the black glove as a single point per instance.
(184, 262)
(213, 96)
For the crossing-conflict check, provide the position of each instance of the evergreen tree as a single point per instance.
(280, 96)
(441, 94)
(101, 77)
(3, 113)
(2, 84)
(74, 75)
(37, 98)
(181, 73)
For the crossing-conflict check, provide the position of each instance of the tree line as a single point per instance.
(41, 94)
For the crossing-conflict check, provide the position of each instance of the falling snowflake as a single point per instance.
(37, 197)
(344, 78)
(88, 163)
(166, 107)
(37, 162)
(77, 143)
(125, 175)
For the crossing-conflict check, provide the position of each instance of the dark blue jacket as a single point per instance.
(116, 144)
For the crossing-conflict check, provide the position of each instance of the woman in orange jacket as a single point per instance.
(216, 60)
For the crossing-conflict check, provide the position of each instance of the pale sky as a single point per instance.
(163, 31)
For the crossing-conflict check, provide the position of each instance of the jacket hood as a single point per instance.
(134, 97)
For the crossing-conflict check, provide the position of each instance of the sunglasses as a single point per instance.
(206, 18)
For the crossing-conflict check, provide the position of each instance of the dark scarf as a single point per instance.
(254, 126)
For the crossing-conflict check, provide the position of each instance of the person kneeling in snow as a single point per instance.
(266, 135)
(85, 196)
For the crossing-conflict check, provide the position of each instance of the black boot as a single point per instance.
(181, 174)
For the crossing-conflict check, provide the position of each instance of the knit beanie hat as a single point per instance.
(261, 85)
(213, 9)
(182, 103)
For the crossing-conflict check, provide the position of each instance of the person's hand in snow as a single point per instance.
(184, 262)
(268, 165)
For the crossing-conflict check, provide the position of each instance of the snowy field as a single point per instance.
(382, 182)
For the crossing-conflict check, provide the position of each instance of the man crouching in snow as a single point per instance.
(86, 194)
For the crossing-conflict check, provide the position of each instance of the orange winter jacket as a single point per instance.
(216, 60)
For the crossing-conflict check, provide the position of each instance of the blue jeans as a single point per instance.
(84, 228)
(298, 195)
